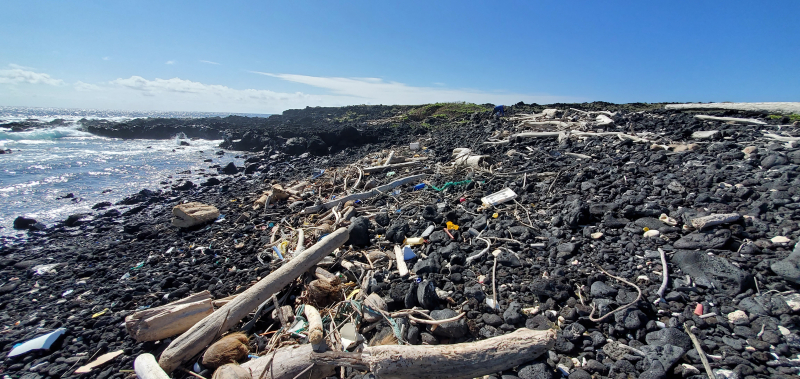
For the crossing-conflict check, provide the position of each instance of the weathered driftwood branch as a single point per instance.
(562, 135)
(747, 121)
(146, 367)
(391, 166)
(169, 320)
(777, 137)
(206, 331)
(463, 360)
(365, 195)
(700, 352)
(286, 363)
(664, 275)
(315, 336)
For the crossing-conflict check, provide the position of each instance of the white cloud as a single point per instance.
(86, 87)
(378, 91)
(106, 58)
(17, 74)
(170, 62)
(209, 62)
(12, 65)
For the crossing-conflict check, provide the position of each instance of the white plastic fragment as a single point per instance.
(45, 269)
(780, 240)
(652, 233)
(349, 335)
(39, 343)
(499, 197)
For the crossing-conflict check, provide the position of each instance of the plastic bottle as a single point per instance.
(428, 231)
(419, 186)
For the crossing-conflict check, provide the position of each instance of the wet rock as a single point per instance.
(492, 319)
(667, 355)
(22, 223)
(507, 258)
(185, 186)
(295, 146)
(359, 232)
(535, 371)
(773, 160)
(713, 272)
(669, 336)
(428, 265)
(382, 219)
(475, 292)
(566, 249)
(788, 268)
(452, 329)
(704, 240)
(603, 290)
(615, 350)
(430, 213)
(594, 366)
(230, 169)
(549, 288)
(426, 295)
(397, 231)
(210, 182)
(512, 314)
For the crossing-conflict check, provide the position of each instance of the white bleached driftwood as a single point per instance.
(169, 320)
(462, 360)
(207, 330)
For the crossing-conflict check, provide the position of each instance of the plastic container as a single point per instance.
(499, 197)
(419, 186)
(428, 231)
(414, 241)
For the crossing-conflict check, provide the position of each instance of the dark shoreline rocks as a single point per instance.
(126, 256)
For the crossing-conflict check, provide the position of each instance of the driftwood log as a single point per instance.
(746, 121)
(146, 367)
(566, 134)
(365, 195)
(391, 166)
(207, 330)
(169, 320)
(463, 360)
(287, 363)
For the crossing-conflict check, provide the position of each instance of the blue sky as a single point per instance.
(265, 57)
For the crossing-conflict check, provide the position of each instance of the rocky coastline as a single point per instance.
(609, 200)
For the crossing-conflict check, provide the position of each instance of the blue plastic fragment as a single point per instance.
(38, 343)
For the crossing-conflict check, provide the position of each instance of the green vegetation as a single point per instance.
(445, 111)
(792, 117)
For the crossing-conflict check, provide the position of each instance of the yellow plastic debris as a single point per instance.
(284, 246)
(646, 229)
(98, 314)
(353, 294)
(452, 226)
(495, 215)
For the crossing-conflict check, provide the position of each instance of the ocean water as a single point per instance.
(49, 163)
